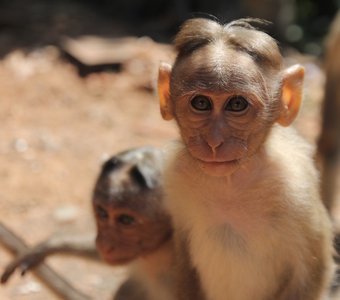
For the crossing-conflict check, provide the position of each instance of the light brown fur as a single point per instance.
(241, 188)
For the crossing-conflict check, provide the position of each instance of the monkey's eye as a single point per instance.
(125, 219)
(237, 104)
(201, 103)
(101, 213)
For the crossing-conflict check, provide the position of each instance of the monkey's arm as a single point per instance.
(49, 277)
(312, 283)
(28, 260)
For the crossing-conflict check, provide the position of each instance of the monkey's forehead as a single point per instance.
(127, 196)
(147, 204)
(211, 68)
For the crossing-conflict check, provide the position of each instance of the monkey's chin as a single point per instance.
(219, 169)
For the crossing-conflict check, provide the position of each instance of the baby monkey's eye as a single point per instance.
(201, 103)
(125, 219)
(101, 212)
(237, 104)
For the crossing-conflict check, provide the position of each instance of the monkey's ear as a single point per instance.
(292, 85)
(164, 74)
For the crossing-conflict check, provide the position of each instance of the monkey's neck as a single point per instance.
(156, 262)
(156, 273)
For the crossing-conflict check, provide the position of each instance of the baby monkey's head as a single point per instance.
(225, 90)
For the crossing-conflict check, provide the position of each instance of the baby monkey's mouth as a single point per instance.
(212, 164)
(217, 161)
(219, 167)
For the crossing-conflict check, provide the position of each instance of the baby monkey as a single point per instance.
(241, 187)
(132, 227)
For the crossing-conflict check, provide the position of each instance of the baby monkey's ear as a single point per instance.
(291, 94)
(166, 107)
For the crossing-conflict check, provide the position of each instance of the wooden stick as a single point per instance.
(46, 275)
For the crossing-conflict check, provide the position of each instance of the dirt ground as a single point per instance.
(56, 129)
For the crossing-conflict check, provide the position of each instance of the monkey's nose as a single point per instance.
(214, 145)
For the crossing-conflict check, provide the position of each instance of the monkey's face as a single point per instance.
(220, 101)
(225, 101)
(124, 234)
(220, 130)
(127, 202)
(220, 105)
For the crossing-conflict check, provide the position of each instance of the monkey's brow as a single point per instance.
(203, 84)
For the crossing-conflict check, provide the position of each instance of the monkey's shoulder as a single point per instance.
(285, 143)
(290, 162)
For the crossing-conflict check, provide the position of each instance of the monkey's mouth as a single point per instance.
(219, 168)
(116, 260)
(218, 162)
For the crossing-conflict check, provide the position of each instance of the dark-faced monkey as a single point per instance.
(241, 186)
(132, 225)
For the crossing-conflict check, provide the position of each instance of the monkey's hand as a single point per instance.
(25, 262)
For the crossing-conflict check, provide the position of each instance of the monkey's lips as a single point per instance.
(117, 259)
(219, 168)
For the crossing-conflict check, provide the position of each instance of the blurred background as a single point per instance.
(299, 23)
(77, 84)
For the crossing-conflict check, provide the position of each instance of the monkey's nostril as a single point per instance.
(214, 145)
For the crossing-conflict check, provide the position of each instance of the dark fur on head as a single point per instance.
(239, 34)
(131, 178)
(209, 54)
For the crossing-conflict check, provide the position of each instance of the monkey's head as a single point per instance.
(128, 207)
(225, 90)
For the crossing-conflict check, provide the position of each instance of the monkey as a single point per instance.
(133, 228)
(240, 184)
(132, 225)
(329, 139)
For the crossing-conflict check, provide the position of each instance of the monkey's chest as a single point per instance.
(231, 265)
(232, 241)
